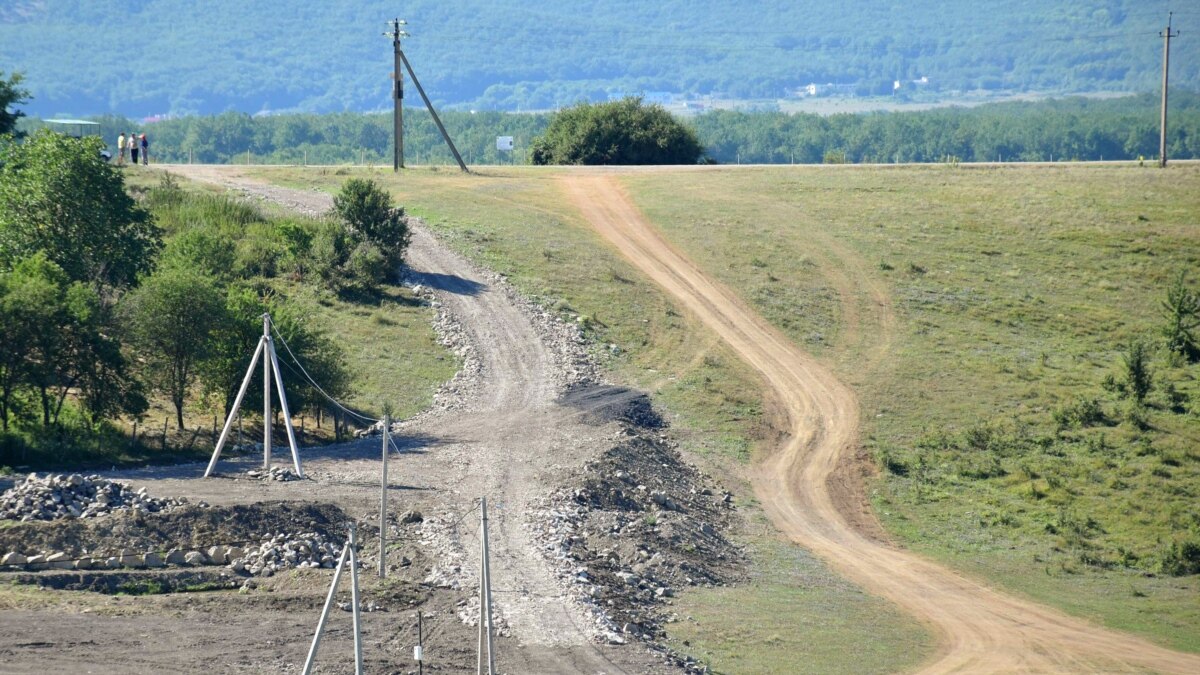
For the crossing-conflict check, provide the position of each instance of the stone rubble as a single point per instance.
(76, 496)
(274, 474)
(272, 554)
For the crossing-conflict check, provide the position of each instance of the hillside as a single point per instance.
(140, 57)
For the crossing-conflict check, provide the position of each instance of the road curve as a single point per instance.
(980, 629)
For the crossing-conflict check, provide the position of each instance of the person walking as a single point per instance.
(145, 151)
(121, 149)
(133, 148)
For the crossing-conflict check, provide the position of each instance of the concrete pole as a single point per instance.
(266, 395)
(356, 605)
(237, 402)
(383, 484)
(287, 413)
(337, 575)
(485, 598)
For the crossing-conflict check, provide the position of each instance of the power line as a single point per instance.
(313, 382)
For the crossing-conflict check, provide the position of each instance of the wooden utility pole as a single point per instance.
(1162, 139)
(397, 95)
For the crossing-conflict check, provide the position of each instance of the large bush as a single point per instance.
(367, 209)
(619, 132)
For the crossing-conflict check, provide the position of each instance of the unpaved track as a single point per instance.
(980, 629)
(511, 442)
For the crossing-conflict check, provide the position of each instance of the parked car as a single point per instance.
(79, 129)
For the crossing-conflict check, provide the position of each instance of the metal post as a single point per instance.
(485, 597)
(287, 413)
(383, 483)
(420, 646)
(237, 402)
(433, 113)
(358, 661)
(266, 396)
(337, 575)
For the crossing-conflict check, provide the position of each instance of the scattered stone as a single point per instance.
(412, 516)
(278, 474)
(194, 558)
(13, 559)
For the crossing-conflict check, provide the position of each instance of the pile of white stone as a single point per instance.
(275, 473)
(284, 551)
(75, 496)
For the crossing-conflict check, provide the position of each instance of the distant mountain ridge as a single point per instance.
(140, 57)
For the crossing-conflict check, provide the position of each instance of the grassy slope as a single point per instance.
(1014, 288)
(515, 221)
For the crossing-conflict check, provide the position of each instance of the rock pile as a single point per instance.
(75, 496)
(280, 552)
(275, 473)
(272, 554)
(638, 524)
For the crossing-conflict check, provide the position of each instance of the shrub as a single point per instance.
(1182, 310)
(627, 131)
(1085, 412)
(366, 208)
(1182, 559)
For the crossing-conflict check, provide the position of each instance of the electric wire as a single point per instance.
(313, 382)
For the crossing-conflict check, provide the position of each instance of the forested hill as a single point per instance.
(139, 57)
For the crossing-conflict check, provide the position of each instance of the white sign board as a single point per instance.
(504, 142)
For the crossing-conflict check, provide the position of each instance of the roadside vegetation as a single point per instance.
(128, 304)
(628, 131)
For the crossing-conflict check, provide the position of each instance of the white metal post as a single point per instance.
(287, 413)
(383, 485)
(485, 598)
(266, 394)
(237, 402)
(337, 575)
(358, 661)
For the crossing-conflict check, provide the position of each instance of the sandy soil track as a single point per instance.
(980, 629)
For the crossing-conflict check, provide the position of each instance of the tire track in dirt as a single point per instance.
(980, 629)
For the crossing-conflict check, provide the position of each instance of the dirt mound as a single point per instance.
(188, 527)
(603, 403)
(640, 524)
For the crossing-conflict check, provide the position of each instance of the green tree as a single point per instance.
(11, 94)
(367, 209)
(58, 196)
(1138, 377)
(172, 317)
(619, 132)
(1182, 309)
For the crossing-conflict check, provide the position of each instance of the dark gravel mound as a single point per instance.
(603, 403)
(189, 527)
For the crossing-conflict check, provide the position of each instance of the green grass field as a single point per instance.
(972, 310)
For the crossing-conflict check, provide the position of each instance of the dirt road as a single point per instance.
(980, 629)
(506, 439)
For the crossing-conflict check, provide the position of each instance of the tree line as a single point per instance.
(1066, 129)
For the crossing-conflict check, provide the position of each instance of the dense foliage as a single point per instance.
(511, 56)
(105, 297)
(1070, 129)
(58, 196)
(11, 94)
(620, 132)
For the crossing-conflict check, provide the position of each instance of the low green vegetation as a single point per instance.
(1030, 417)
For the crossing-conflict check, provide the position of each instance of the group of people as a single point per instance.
(137, 146)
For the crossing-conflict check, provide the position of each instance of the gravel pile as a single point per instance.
(638, 524)
(284, 551)
(75, 496)
(274, 474)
